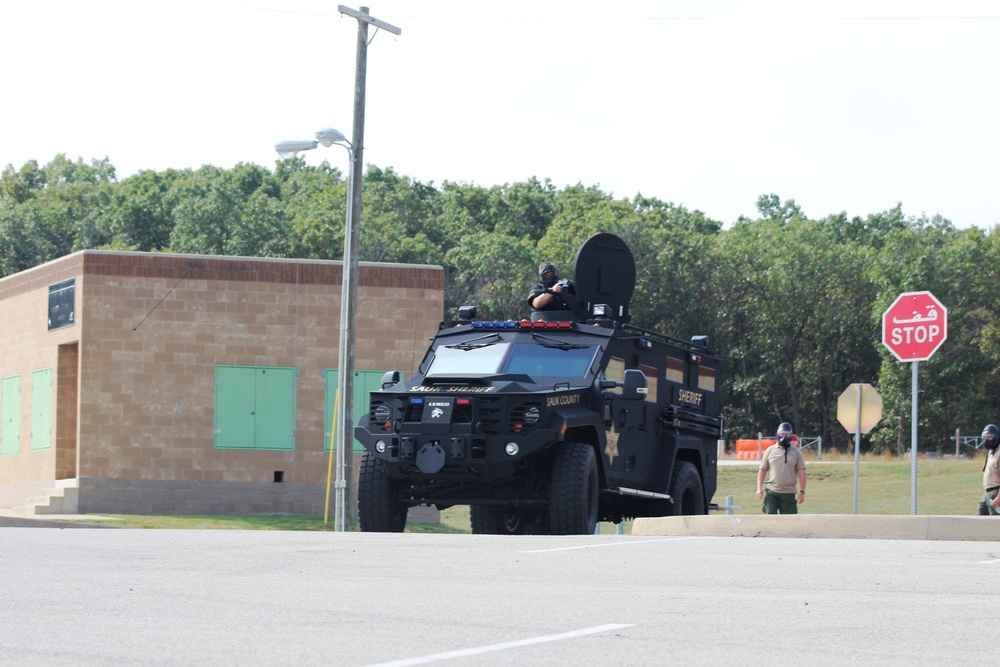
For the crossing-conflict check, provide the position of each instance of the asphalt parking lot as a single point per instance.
(184, 597)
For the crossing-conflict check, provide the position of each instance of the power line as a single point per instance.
(604, 19)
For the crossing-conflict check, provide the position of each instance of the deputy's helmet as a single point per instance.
(548, 273)
(787, 428)
(991, 436)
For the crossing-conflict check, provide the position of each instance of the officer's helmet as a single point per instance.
(548, 273)
(991, 436)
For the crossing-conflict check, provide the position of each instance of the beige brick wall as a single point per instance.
(151, 330)
(27, 346)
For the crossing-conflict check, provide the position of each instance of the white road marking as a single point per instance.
(608, 544)
(992, 561)
(462, 653)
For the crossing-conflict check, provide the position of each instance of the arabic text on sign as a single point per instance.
(917, 317)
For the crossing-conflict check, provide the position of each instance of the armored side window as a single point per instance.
(675, 370)
(615, 370)
(706, 378)
(651, 377)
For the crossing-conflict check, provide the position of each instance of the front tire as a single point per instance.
(573, 506)
(687, 491)
(379, 510)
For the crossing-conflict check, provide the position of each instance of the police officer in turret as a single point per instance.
(548, 293)
(991, 472)
(782, 465)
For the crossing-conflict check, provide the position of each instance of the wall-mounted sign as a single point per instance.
(62, 297)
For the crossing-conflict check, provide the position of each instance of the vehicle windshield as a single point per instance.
(529, 359)
(467, 360)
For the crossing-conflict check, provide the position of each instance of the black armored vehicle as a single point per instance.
(548, 425)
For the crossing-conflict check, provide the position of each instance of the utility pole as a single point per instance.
(349, 299)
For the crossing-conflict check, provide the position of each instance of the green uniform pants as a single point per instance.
(779, 503)
(984, 503)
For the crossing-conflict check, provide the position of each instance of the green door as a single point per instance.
(234, 407)
(10, 409)
(254, 408)
(275, 408)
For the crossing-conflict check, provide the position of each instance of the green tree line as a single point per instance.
(792, 303)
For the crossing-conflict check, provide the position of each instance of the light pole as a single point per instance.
(345, 353)
(349, 297)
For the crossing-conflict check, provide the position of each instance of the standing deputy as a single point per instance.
(547, 294)
(991, 472)
(780, 467)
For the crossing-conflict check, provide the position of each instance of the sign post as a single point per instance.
(913, 328)
(859, 409)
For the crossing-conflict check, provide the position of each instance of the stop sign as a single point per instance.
(859, 408)
(914, 326)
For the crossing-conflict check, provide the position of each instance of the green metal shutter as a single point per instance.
(275, 401)
(234, 407)
(254, 408)
(10, 409)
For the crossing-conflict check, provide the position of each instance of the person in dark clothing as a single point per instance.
(548, 293)
(990, 500)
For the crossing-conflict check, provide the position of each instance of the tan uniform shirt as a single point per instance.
(782, 475)
(991, 473)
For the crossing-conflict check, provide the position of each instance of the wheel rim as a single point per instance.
(511, 521)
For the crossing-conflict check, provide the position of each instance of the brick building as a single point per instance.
(162, 383)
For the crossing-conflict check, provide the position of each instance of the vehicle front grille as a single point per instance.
(516, 423)
(489, 412)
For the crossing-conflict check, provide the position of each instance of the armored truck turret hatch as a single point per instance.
(549, 425)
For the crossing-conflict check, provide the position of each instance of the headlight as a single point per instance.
(512, 449)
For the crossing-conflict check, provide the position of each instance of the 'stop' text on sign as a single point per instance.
(914, 326)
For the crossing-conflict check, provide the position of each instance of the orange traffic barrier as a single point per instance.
(750, 449)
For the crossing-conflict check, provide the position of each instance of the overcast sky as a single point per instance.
(842, 106)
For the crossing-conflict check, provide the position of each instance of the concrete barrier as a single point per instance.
(833, 526)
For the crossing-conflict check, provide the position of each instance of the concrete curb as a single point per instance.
(10, 518)
(833, 526)
(23, 522)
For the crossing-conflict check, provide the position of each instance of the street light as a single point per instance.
(345, 364)
(349, 297)
(289, 149)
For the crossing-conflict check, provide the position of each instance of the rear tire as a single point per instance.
(573, 506)
(687, 491)
(379, 510)
(490, 520)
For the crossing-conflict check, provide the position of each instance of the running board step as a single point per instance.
(623, 491)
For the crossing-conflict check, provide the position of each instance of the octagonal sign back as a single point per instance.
(859, 407)
(914, 326)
